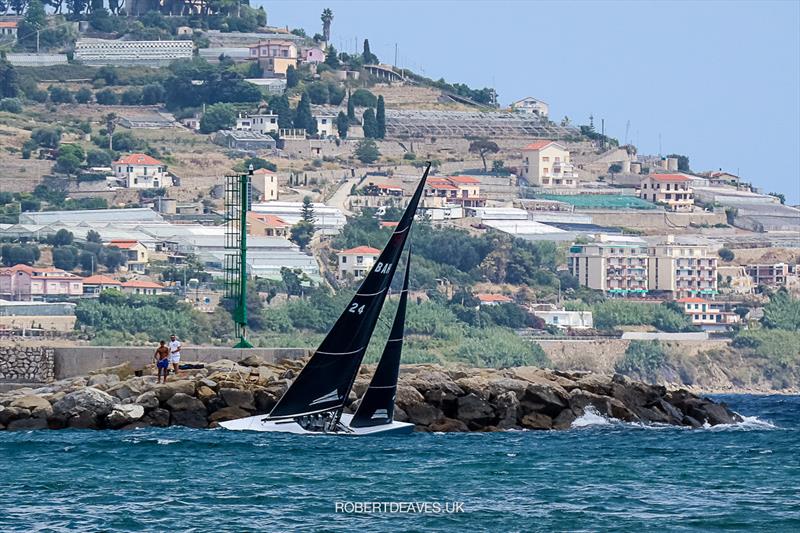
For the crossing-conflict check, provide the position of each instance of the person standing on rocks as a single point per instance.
(162, 361)
(174, 352)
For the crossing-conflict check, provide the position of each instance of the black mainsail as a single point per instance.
(326, 380)
(377, 405)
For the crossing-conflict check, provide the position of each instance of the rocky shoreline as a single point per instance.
(432, 397)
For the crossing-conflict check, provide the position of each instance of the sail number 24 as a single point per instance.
(354, 308)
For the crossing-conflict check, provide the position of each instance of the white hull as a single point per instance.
(257, 423)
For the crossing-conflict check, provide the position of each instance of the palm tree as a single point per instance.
(111, 125)
(327, 18)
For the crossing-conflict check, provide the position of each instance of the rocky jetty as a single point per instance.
(434, 398)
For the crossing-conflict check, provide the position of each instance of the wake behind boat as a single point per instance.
(315, 401)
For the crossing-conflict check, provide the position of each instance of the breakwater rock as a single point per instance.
(434, 398)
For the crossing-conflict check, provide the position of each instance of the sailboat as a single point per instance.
(315, 401)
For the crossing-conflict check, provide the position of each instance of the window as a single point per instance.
(546, 170)
(359, 259)
(545, 159)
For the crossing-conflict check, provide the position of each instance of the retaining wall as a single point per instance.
(23, 364)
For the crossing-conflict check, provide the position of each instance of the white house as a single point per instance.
(357, 261)
(266, 182)
(8, 30)
(326, 125)
(547, 164)
(532, 106)
(566, 319)
(140, 171)
(266, 123)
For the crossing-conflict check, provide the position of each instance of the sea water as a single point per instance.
(601, 475)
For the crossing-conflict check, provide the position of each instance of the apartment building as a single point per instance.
(682, 268)
(532, 106)
(547, 164)
(462, 190)
(774, 275)
(274, 55)
(26, 283)
(136, 254)
(260, 123)
(674, 191)
(613, 264)
(710, 316)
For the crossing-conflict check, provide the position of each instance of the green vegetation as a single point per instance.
(726, 254)
(782, 312)
(363, 98)
(610, 314)
(218, 117)
(600, 201)
(367, 151)
(483, 147)
(683, 162)
(643, 359)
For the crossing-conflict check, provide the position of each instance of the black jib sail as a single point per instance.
(377, 405)
(326, 380)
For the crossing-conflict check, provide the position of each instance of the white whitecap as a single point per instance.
(166, 441)
(590, 417)
(748, 423)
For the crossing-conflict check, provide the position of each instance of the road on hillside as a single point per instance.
(339, 198)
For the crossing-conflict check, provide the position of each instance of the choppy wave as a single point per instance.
(593, 418)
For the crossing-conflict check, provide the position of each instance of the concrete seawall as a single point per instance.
(21, 363)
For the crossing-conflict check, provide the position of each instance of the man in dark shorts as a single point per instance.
(162, 361)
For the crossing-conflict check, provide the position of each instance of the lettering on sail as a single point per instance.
(383, 268)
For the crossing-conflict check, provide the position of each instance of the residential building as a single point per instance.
(547, 164)
(8, 30)
(492, 299)
(613, 264)
(460, 190)
(144, 288)
(671, 190)
(566, 319)
(734, 278)
(356, 262)
(140, 171)
(126, 53)
(136, 254)
(721, 178)
(774, 275)
(267, 225)
(313, 55)
(266, 183)
(683, 268)
(26, 283)
(94, 285)
(244, 140)
(708, 315)
(383, 189)
(531, 106)
(326, 125)
(274, 55)
(261, 123)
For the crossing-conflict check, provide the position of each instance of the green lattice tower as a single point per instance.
(237, 202)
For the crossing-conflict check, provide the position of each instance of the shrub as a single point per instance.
(726, 254)
(107, 97)
(642, 358)
(11, 105)
(60, 95)
(363, 98)
(84, 95)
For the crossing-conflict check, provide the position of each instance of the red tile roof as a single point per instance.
(271, 221)
(669, 177)
(136, 284)
(59, 274)
(389, 187)
(263, 171)
(365, 250)
(8, 24)
(100, 280)
(388, 224)
(489, 298)
(123, 244)
(692, 300)
(138, 159)
(444, 186)
(463, 179)
(538, 145)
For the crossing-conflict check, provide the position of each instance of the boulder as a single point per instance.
(548, 399)
(474, 411)
(210, 383)
(157, 417)
(564, 419)
(148, 400)
(132, 387)
(10, 414)
(88, 400)
(408, 396)
(122, 415)
(422, 414)
(242, 399)
(85, 420)
(596, 384)
(253, 360)
(228, 413)
(103, 381)
(205, 393)
(38, 406)
(713, 413)
(27, 423)
(192, 419)
(541, 376)
(184, 402)
(448, 425)
(171, 388)
(507, 409)
(122, 371)
(264, 400)
(400, 415)
(536, 421)
(580, 399)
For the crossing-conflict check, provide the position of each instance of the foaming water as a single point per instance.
(591, 417)
(602, 475)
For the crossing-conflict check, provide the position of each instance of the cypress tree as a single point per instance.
(380, 119)
(342, 124)
(367, 56)
(351, 108)
(303, 119)
(370, 124)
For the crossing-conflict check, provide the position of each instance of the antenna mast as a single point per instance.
(238, 195)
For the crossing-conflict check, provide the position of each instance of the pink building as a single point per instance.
(25, 283)
(313, 55)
